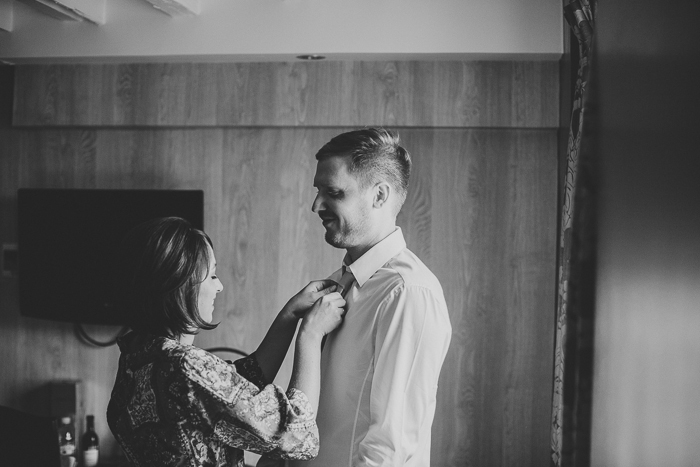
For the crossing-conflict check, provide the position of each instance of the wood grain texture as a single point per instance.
(493, 235)
(37, 352)
(413, 94)
(481, 212)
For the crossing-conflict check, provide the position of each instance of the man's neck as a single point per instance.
(354, 253)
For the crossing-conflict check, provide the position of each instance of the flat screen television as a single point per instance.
(67, 239)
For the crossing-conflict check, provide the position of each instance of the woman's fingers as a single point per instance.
(320, 288)
(321, 285)
(327, 313)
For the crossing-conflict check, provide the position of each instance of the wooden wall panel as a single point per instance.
(481, 213)
(493, 226)
(37, 352)
(424, 94)
(9, 301)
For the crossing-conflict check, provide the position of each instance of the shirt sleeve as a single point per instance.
(242, 415)
(413, 333)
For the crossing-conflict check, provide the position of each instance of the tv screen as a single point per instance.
(67, 239)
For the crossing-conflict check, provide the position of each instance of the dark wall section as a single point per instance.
(646, 134)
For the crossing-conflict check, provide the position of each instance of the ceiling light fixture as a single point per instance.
(310, 57)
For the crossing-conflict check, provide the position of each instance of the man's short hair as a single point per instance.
(376, 155)
(160, 267)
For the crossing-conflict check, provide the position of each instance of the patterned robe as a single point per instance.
(178, 405)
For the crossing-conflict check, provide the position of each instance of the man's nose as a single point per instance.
(316, 205)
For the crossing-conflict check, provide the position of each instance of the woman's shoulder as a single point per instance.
(207, 370)
(161, 350)
(187, 362)
(189, 357)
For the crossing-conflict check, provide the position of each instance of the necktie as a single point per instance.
(346, 281)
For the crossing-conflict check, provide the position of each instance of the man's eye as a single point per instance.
(335, 194)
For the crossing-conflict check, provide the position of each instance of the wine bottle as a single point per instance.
(90, 444)
(66, 442)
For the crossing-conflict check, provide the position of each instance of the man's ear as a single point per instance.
(382, 192)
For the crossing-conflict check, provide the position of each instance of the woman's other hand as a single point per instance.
(299, 304)
(325, 315)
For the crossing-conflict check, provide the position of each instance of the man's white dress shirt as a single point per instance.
(379, 370)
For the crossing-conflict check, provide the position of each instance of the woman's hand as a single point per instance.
(325, 301)
(299, 304)
(325, 315)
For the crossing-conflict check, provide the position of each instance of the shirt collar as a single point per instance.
(366, 265)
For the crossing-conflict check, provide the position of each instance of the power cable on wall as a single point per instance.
(85, 338)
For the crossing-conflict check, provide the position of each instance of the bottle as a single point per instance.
(66, 442)
(90, 444)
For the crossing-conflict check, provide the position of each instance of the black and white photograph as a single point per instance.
(322, 233)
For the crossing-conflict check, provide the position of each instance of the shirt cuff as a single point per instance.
(301, 406)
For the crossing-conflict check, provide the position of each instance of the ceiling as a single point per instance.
(60, 31)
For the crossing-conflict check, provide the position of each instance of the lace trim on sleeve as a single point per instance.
(249, 368)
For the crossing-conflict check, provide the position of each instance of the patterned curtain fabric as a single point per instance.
(574, 333)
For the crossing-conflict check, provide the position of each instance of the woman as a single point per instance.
(174, 404)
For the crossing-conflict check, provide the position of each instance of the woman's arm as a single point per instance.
(324, 317)
(214, 398)
(264, 420)
(273, 348)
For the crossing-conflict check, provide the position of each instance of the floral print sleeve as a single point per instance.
(245, 415)
(180, 405)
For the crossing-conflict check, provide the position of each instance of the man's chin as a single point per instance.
(335, 240)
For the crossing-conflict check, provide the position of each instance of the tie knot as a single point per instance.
(346, 281)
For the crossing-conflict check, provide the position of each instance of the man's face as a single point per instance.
(342, 204)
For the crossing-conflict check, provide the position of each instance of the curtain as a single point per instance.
(570, 430)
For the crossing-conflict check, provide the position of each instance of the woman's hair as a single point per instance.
(160, 266)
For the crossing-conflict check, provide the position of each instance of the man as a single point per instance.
(380, 368)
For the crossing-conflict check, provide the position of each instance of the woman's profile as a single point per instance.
(175, 404)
